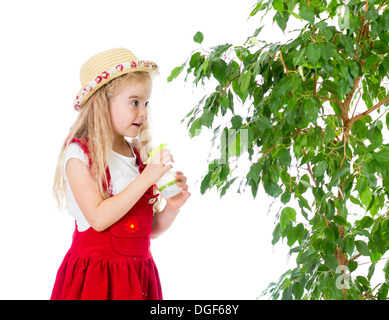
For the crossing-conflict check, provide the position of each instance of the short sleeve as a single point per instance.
(74, 151)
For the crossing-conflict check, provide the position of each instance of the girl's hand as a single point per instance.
(178, 200)
(157, 166)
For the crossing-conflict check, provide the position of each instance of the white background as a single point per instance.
(216, 249)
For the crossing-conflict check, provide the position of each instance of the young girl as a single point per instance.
(109, 190)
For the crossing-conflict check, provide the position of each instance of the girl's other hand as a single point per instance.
(178, 200)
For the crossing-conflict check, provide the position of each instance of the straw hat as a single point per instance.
(106, 66)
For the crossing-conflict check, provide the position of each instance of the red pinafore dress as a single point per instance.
(115, 263)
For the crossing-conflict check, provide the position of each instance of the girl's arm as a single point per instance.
(101, 213)
(164, 219)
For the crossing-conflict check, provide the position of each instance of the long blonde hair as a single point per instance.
(94, 123)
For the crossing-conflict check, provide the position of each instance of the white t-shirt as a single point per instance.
(123, 171)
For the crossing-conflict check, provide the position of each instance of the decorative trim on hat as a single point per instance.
(111, 73)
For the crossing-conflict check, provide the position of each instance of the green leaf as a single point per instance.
(355, 68)
(281, 19)
(257, 8)
(334, 293)
(276, 234)
(380, 47)
(385, 63)
(364, 282)
(297, 290)
(284, 157)
(371, 271)
(255, 172)
(285, 198)
(254, 187)
(331, 232)
(176, 72)
(299, 57)
(330, 86)
(272, 189)
(195, 128)
(273, 174)
(307, 13)
(219, 68)
(329, 133)
(207, 118)
(362, 248)
(245, 83)
(198, 37)
(366, 222)
(205, 183)
(326, 50)
(194, 59)
(319, 169)
(330, 210)
(224, 102)
(386, 270)
(372, 14)
(236, 122)
(263, 122)
(328, 32)
(343, 87)
(328, 246)
(349, 246)
(340, 173)
(366, 196)
(287, 294)
(287, 214)
(383, 292)
(306, 256)
(377, 236)
(283, 86)
(348, 45)
(382, 156)
(330, 262)
(278, 5)
(340, 220)
(313, 53)
(370, 62)
(352, 265)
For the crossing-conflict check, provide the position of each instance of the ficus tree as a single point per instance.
(312, 128)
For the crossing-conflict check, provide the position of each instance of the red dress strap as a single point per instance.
(141, 164)
(83, 143)
(84, 146)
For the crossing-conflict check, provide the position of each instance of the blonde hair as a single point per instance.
(94, 123)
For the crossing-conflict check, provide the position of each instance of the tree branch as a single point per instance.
(356, 257)
(363, 22)
(283, 63)
(351, 94)
(286, 70)
(368, 111)
(314, 84)
(309, 168)
(328, 99)
(355, 108)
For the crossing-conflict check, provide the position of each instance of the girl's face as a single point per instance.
(128, 108)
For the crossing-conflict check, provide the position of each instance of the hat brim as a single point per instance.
(111, 73)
